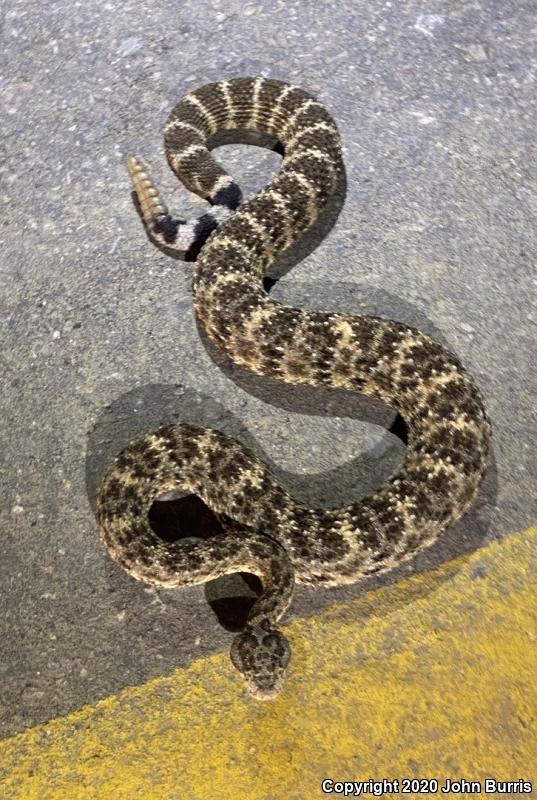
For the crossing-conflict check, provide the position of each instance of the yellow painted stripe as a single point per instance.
(433, 677)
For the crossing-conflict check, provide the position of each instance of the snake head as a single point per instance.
(261, 654)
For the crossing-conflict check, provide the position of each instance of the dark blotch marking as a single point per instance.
(229, 196)
(167, 227)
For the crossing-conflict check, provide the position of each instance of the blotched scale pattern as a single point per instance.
(265, 531)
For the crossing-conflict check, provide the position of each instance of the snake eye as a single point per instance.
(249, 640)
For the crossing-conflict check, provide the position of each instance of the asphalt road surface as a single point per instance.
(436, 107)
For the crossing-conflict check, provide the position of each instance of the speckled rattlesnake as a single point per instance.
(265, 531)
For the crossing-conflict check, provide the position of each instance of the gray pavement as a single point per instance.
(436, 106)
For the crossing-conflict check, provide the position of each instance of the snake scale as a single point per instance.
(264, 530)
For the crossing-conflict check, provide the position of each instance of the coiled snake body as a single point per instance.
(265, 531)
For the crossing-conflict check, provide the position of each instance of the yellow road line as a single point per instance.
(433, 677)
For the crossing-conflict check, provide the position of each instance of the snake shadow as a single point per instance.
(177, 515)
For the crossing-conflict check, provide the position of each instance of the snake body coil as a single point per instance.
(265, 531)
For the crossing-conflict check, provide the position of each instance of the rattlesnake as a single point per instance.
(264, 530)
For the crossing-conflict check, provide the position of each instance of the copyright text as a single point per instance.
(377, 788)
